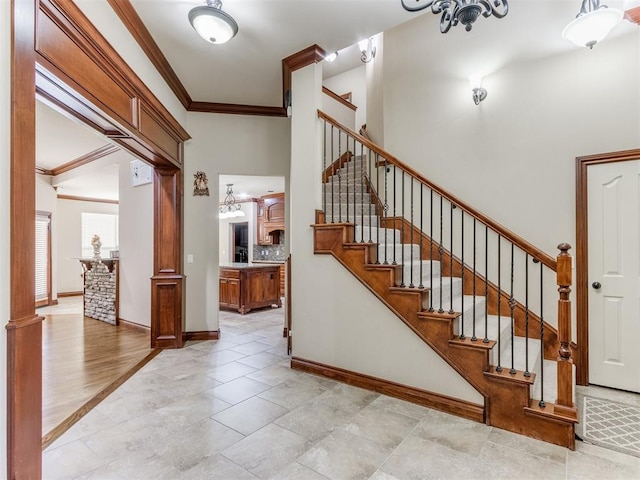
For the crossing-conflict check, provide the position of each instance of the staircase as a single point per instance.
(455, 278)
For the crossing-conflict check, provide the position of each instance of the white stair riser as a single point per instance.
(376, 235)
(410, 252)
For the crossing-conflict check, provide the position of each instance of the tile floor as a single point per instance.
(234, 410)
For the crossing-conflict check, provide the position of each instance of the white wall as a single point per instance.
(69, 232)
(135, 232)
(353, 330)
(222, 144)
(375, 93)
(5, 224)
(513, 156)
(226, 250)
(354, 81)
(47, 201)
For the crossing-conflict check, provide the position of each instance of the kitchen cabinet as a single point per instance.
(244, 287)
(271, 218)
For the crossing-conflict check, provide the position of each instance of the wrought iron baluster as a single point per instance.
(451, 207)
(486, 284)
(473, 279)
(499, 367)
(411, 285)
(542, 402)
(362, 189)
(369, 184)
(402, 284)
(324, 168)
(527, 373)
(384, 210)
(441, 252)
(395, 187)
(339, 177)
(333, 202)
(431, 252)
(378, 202)
(421, 231)
(348, 180)
(462, 335)
(512, 306)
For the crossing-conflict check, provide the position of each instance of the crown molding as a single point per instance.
(84, 159)
(134, 24)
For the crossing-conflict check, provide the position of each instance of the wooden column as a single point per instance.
(24, 329)
(167, 283)
(564, 402)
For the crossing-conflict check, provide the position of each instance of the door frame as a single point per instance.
(24, 327)
(582, 253)
(49, 300)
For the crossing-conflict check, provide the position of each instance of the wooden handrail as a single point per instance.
(338, 98)
(517, 240)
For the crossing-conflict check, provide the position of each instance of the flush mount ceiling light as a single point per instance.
(212, 24)
(459, 11)
(230, 208)
(592, 24)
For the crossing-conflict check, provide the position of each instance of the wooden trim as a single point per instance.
(308, 56)
(339, 98)
(24, 327)
(72, 419)
(132, 325)
(230, 108)
(443, 403)
(43, 171)
(582, 254)
(85, 159)
(517, 240)
(87, 199)
(633, 15)
(70, 294)
(202, 335)
(336, 165)
(130, 18)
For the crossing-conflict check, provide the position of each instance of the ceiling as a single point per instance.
(248, 70)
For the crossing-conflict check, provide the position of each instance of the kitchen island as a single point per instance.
(247, 286)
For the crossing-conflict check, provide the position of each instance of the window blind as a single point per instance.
(43, 224)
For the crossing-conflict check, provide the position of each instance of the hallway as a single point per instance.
(233, 409)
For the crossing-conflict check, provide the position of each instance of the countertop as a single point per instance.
(279, 262)
(241, 266)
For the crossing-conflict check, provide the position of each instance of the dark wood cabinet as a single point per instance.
(247, 287)
(271, 214)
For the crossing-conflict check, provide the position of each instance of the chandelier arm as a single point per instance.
(416, 8)
(500, 8)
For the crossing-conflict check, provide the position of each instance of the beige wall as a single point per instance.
(222, 144)
(336, 320)
(354, 81)
(69, 231)
(5, 184)
(513, 156)
(135, 232)
(375, 93)
(226, 254)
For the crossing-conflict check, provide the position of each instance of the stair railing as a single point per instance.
(473, 266)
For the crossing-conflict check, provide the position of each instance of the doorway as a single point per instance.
(240, 242)
(608, 270)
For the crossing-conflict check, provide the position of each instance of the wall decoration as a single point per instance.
(200, 184)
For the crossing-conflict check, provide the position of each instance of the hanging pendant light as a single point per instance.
(212, 24)
(230, 208)
(592, 24)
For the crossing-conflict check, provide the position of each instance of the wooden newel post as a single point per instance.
(564, 402)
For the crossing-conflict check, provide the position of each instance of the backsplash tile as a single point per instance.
(273, 253)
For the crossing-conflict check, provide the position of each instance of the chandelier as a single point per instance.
(230, 208)
(211, 23)
(459, 11)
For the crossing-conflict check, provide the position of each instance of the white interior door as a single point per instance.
(614, 272)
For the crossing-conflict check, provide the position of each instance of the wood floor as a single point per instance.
(83, 360)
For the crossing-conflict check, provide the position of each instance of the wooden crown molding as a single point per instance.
(633, 15)
(130, 18)
(87, 199)
(132, 21)
(85, 159)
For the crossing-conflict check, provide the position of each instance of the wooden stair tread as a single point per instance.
(468, 343)
(505, 375)
(550, 412)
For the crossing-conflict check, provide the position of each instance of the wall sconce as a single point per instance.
(368, 50)
(479, 93)
(331, 57)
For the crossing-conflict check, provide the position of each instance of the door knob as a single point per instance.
(596, 285)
